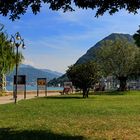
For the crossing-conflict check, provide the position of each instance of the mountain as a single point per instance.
(90, 54)
(33, 73)
(52, 72)
(59, 80)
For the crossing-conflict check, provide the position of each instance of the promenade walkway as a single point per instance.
(9, 98)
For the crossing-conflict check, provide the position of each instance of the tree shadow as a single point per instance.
(10, 134)
(109, 93)
(64, 97)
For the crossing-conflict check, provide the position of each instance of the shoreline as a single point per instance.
(33, 92)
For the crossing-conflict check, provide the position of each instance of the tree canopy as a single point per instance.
(119, 58)
(7, 57)
(84, 76)
(15, 8)
(136, 37)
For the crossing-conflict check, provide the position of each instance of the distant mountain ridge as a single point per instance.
(52, 72)
(90, 54)
(33, 73)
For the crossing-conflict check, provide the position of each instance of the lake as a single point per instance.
(28, 87)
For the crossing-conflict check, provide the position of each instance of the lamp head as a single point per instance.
(23, 46)
(11, 42)
(18, 37)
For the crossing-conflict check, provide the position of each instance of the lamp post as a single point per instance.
(16, 42)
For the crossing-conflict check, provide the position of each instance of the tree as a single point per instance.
(15, 8)
(84, 76)
(137, 64)
(118, 58)
(136, 37)
(7, 58)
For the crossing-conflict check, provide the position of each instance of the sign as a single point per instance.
(41, 85)
(21, 80)
(41, 81)
(20, 84)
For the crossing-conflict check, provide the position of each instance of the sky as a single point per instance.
(55, 40)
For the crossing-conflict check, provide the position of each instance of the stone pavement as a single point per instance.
(9, 98)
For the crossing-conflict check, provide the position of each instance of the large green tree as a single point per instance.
(84, 76)
(7, 58)
(136, 71)
(15, 8)
(119, 58)
(136, 37)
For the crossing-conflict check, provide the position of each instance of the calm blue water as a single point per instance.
(10, 88)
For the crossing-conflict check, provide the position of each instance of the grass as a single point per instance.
(100, 117)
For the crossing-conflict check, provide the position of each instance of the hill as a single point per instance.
(34, 73)
(90, 54)
(60, 80)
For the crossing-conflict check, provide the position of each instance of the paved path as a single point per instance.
(9, 98)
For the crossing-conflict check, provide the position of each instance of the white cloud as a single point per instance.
(28, 62)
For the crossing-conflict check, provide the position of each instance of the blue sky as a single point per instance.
(55, 40)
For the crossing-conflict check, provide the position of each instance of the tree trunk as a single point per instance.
(123, 84)
(2, 82)
(85, 92)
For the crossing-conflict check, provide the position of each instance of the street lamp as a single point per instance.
(17, 41)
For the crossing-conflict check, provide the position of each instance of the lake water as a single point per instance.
(28, 87)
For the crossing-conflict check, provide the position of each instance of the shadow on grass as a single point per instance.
(9, 134)
(110, 93)
(64, 97)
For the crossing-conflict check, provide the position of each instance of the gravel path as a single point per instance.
(30, 95)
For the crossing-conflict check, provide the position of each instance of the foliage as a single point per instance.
(84, 76)
(16, 8)
(136, 36)
(137, 64)
(118, 58)
(7, 54)
(101, 117)
(7, 57)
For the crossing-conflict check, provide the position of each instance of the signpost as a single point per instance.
(41, 84)
(21, 84)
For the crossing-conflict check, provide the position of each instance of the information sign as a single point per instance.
(41, 85)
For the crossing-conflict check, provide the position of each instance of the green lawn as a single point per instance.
(100, 117)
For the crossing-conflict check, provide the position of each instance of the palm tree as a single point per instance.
(7, 59)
